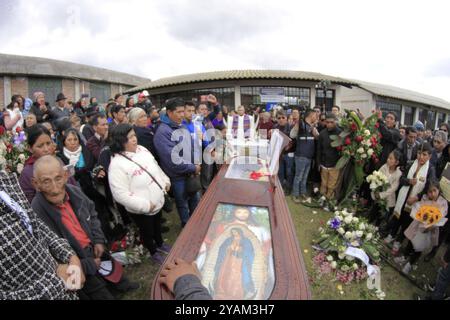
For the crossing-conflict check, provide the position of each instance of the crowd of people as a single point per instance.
(95, 169)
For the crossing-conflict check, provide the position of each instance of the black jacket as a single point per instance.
(84, 209)
(88, 131)
(79, 111)
(57, 113)
(146, 106)
(285, 129)
(327, 155)
(442, 161)
(389, 141)
(145, 138)
(41, 116)
(403, 149)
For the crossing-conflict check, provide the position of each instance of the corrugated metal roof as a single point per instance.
(403, 94)
(238, 75)
(378, 89)
(34, 66)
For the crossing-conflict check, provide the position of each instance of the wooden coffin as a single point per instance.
(290, 277)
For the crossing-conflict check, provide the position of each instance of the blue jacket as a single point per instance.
(164, 145)
(191, 127)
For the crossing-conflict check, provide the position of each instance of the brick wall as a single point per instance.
(68, 88)
(2, 95)
(19, 85)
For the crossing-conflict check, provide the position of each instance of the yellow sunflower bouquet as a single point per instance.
(428, 215)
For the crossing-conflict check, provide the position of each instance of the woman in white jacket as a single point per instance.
(139, 184)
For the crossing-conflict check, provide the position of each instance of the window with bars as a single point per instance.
(441, 118)
(409, 115)
(50, 87)
(423, 114)
(329, 101)
(428, 118)
(431, 120)
(386, 107)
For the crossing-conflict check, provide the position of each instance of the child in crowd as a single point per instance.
(421, 238)
(392, 171)
(414, 182)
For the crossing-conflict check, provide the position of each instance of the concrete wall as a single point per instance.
(115, 89)
(355, 98)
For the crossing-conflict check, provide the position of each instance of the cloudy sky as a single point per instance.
(402, 43)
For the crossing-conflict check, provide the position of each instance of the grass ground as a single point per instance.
(307, 222)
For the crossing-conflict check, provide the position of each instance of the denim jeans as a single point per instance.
(185, 204)
(286, 171)
(302, 167)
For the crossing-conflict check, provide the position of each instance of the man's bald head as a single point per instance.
(45, 164)
(50, 178)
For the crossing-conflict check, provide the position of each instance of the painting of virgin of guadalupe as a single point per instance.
(236, 257)
(233, 269)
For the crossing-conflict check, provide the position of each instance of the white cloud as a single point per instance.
(403, 43)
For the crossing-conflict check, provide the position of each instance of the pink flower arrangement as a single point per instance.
(345, 276)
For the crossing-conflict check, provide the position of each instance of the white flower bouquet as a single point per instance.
(342, 231)
(378, 183)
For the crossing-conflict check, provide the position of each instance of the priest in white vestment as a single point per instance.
(241, 126)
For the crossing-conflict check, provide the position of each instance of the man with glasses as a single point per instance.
(69, 213)
(322, 123)
(35, 264)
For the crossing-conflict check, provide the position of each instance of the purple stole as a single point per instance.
(235, 126)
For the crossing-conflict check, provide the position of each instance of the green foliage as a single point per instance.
(359, 174)
(342, 162)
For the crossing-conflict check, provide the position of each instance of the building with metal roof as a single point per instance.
(299, 88)
(25, 75)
